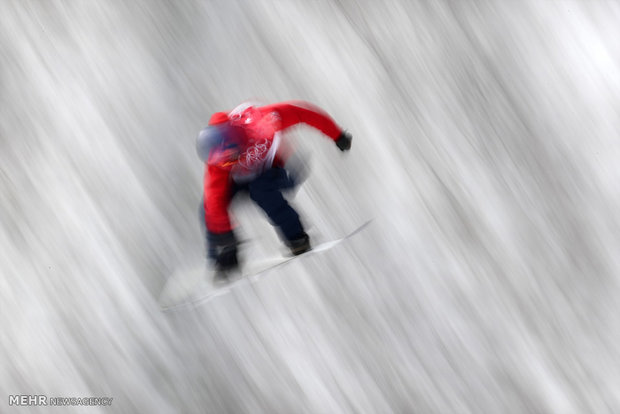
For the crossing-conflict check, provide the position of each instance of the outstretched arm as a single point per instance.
(296, 112)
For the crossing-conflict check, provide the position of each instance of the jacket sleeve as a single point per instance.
(217, 199)
(296, 112)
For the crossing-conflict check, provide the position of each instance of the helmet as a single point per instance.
(211, 136)
(207, 139)
(221, 141)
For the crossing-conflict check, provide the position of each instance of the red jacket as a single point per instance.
(256, 148)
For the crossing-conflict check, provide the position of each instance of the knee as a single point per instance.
(261, 189)
(257, 194)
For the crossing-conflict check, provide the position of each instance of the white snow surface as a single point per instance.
(486, 148)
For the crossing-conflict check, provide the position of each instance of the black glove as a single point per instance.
(344, 141)
(224, 248)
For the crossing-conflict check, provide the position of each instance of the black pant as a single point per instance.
(266, 191)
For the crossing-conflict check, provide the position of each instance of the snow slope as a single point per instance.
(485, 147)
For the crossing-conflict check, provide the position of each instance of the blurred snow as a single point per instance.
(485, 148)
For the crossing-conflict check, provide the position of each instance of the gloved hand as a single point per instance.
(344, 141)
(224, 250)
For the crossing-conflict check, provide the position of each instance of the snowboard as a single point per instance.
(193, 287)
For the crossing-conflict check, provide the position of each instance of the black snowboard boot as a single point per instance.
(300, 244)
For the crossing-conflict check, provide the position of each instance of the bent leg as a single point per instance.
(265, 191)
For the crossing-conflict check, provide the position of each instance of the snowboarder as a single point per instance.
(243, 150)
